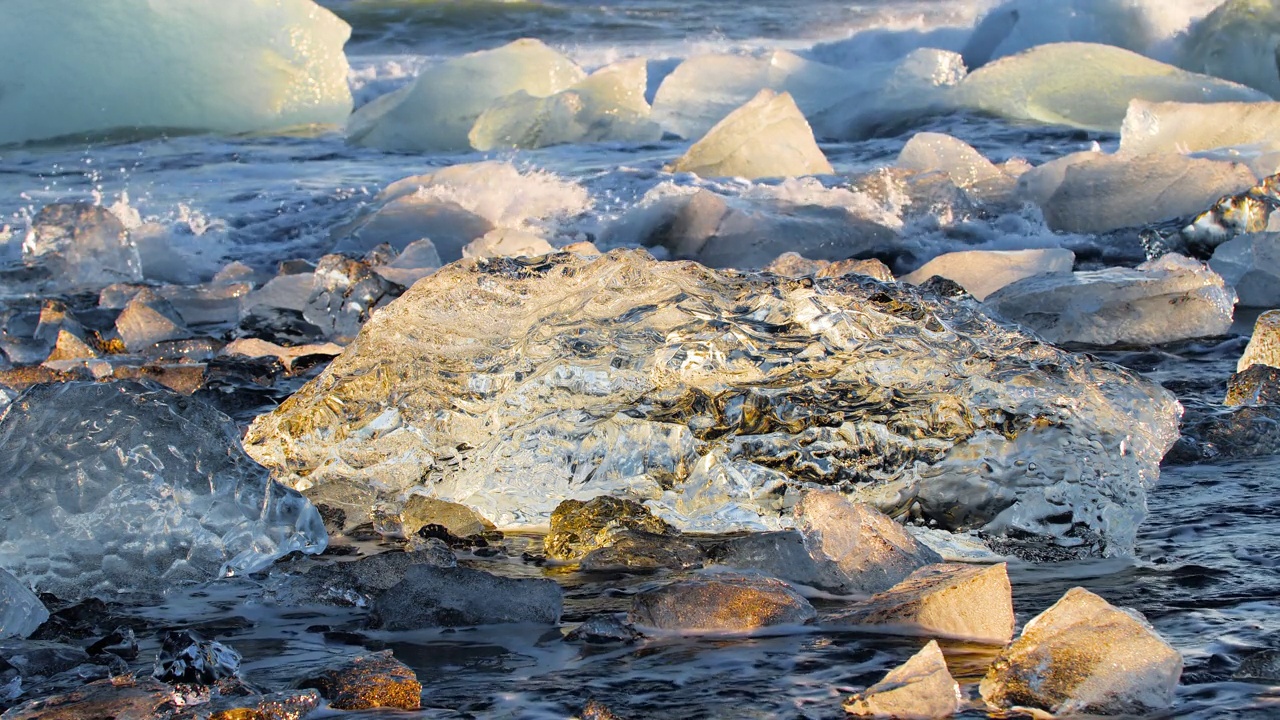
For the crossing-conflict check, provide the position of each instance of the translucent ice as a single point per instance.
(83, 245)
(505, 242)
(1174, 127)
(1084, 85)
(922, 688)
(1251, 265)
(431, 596)
(766, 137)
(121, 487)
(608, 105)
(437, 111)
(74, 68)
(982, 272)
(1163, 300)
(716, 397)
(935, 152)
(1264, 344)
(21, 612)
(1237, 41)
(721, 602)
(973, 602)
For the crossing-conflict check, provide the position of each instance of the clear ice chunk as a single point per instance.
(982, 272)
(128, 488)
(1236, 41)
(1175, 127)
(717, 398)
(85, 246)
(21, 612)
(766, 137)
(921, 688)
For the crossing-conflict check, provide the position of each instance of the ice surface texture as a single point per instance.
(510, 385)
(77, 68)
(124, 487)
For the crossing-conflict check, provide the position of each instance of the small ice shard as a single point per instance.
(870, 551)
(83, 245)
(604, 629)
(920, 689)
(255, 348)
(608, 105)
(162, 493)
(1264, 344)
(430, 597)
(344, 295)
(417, 260)
(1251, 264)
(186, 657)
(721, 602)
(437, 111)
(161, 65)
(507, 243)
(369, 681)
(1250, 211)
(792, 264)
(21, 612)
(935, 152)
(982, 272)
(1236, 41)
(1164, 300)
(1152, 128)
(1092, 192)
(954, 600)
(642, 552)
(578, 528)
(1085, 85)
(1084, 656)
(74, 345)
(766, 137)
(286, 291)
(149, 319)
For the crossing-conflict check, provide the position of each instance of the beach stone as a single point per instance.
(460, 520)
(870, 552)
(595, 710)
(1263, 665)
(1264, 344)
(287, 705)
(578, 528)
(948, 599)
(766, 137)
(721, 602)
(369, 681)
(430, 597)
(604, 629)
(920, 689)
(1084, 656)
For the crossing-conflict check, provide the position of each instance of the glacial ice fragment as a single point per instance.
(1237, 41)
(948, 599)
(920, 689)
(21, 612)
(766, 137)
(982, 272)
(1251, 265)
(437, 111)
(83, 245)
(430, 597)
(127, 488)
(936, 152)
(1264, 344)
(721, 602)
(1177, 127)
(187, 657)
(378, 680)
(1164, 300)
(716, 397)
(1018, 25)
(75, 68)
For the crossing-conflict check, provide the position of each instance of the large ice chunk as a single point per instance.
(120, 487)
(437, 111)
(766, 137)
(982, 272)
(21, 612)
(1084, 85)
(717, 397)
(1237, 41)
(75, 68)
(1174, 127)
(608, 105)
(1163, 300)
(1251, 265)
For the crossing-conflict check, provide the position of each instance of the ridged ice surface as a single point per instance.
(128, 488)
(510, 385)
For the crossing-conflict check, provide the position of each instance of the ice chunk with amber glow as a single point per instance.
(1176, 127)
(127, 488)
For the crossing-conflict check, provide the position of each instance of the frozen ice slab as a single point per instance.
(1175, 127)
(437, 111)
(83, 245)
(1237, 41)
(921, 688)
(21, 612)
(982, 272)
(75, 68)
(1091, 192)
(1086, 86)
(607, 106)
(1251, 265)
(1164, 300)
(766, 137)
(954, 600)
(716, 398)
(127, 488)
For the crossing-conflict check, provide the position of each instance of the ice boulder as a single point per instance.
(1091, 192)
(982, 272)
(608, 105)
(1237, 41)
(766, 137)
(437, 111)
(93, 69)
(1176, 127)
(950, 599)
(1251, 265)
(1084, 85)
(922, 689)
(127, 488)
(1264, 344)
(1164, 300)
(621, 375)
(21, 612)
(1085, 657)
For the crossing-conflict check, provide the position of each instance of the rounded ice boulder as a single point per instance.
(75, 69)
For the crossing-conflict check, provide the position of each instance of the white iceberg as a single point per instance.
(767, 137)
(76, 68)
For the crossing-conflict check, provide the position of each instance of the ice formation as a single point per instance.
(21, 612)
(885, 94)
(973, 602)
(1237, 41)
(715, 397)
(82, 245)
(437, 111)
(608, 105)
(920, 688)
(1092, 192)
(1086, 86)
(1163, 300)
(1174, 127)
(121, 488)
(766, 137)
(75, 68)
(1251, 265)
(982, 272)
